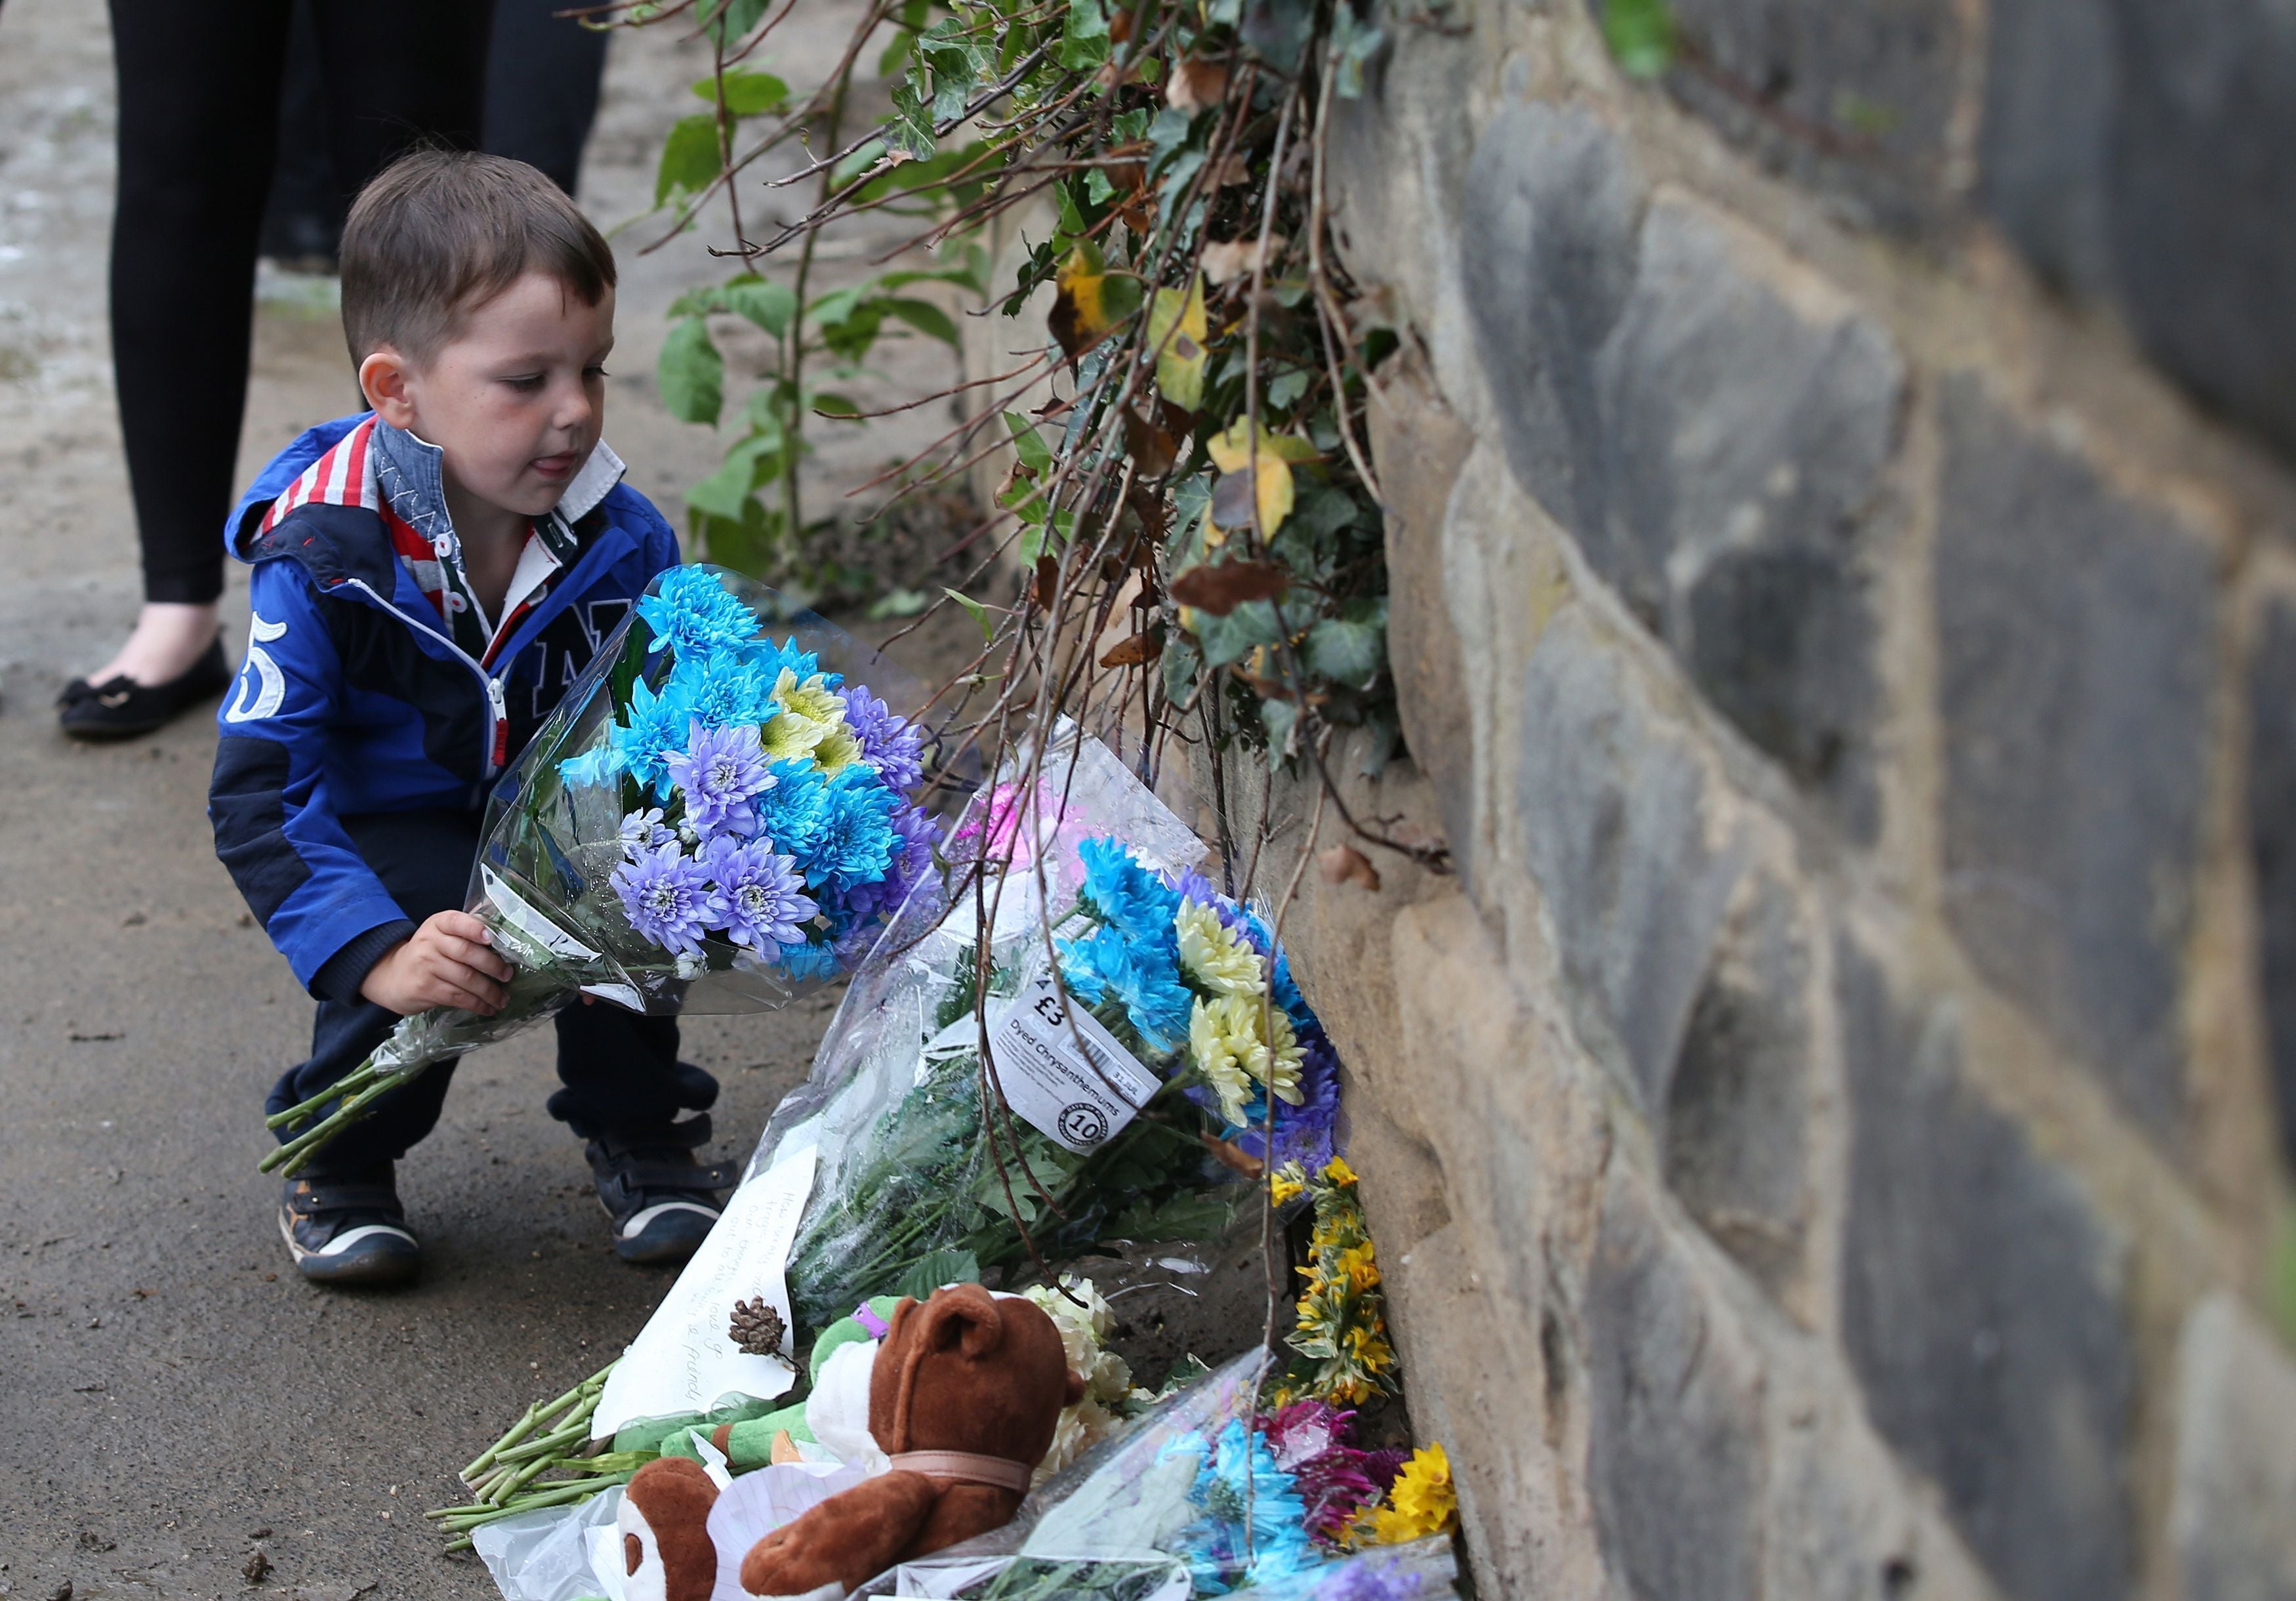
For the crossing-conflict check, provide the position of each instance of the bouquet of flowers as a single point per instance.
(1106, 1073)
(1208, 1496)
(713, 820)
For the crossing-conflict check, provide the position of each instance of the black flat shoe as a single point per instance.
(119, 708)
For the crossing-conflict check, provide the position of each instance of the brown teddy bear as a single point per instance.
(965, 1394)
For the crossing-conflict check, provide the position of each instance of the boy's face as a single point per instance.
(515, 400)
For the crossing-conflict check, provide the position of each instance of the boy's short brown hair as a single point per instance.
(439, 232)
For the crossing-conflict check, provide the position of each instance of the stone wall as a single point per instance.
(1823, 1137)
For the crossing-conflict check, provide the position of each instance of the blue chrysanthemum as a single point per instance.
(803, 960)
(1126, 895)
(769, 659)
(791, 813)
(656, 725)
(724, 688)
(855, 841)
(1239, 1479)
(764, 897)
(669, 899)
(1105, 965)
(914, 834)
(892, 744)
(691, 610)
(596, 767)
(720, 771)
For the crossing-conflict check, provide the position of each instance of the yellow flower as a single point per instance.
(1423, 1502)
(1356, 1262)
(838, 748)
(1213, 955)
(1338, 1170)
(787, 736)
(1215, 1055)
(812, 700)
(1285, 1185)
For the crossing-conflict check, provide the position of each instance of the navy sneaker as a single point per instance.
(663, 1201)
(348, 1231)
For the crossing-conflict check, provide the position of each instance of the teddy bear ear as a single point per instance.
(963, 1317)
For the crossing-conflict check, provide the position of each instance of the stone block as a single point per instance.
(1736, 1128)
(2204, 211)
(1708, 418)
(1856, 101)
(1750, 410)
(1547, 254)
(2076, 644)
(2232, 1516)
(2272, 842)
(1982, 1307)
(2047, 121)
(2139, 151)
(1615, 804)
(1675, 1447)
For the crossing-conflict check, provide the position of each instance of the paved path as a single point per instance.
(166, 1389)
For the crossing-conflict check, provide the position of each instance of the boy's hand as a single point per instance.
(447, 961)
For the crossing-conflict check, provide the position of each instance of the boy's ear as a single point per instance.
(382, 378)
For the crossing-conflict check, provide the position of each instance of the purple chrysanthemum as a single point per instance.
(762, 891)
(667, 898)
(914, 833)
(892, 744)
(1308, 1132)
(721, 770)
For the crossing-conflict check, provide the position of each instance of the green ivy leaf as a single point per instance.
(1084, 42)
(911, 128)
(735, 18)
(1278, 719)
(927, 319)
(1347, 651)
(767, 304)
(692, 374)
(1641, 36)
(979, 613)
(747, 93)
(1233, 638)
(1029, 444)
(689, 159)
(752, 463)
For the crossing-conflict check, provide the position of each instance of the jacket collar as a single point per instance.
(410, 479)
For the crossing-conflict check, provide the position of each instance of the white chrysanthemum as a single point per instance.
(1225, 1036)
(1214, 956)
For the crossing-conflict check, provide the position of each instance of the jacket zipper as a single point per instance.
(495, 753)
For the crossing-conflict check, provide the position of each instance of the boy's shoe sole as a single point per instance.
(662, 1203)
(350, 1234)
(668, 1231)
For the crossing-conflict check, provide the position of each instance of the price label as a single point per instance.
(1061, 1070)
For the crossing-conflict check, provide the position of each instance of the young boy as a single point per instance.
(428, 579)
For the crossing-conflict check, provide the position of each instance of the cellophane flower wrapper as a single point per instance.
(1162, 1494)
(921, 1175)
(716, 818)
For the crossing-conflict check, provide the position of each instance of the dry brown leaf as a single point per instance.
(1048, 581)
(1346, 865)
(1143, 647)
(1195, 84)
(1236, 258)
(1233, 1156)
(1219, 588)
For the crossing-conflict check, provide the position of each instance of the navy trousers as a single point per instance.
(618, 1072)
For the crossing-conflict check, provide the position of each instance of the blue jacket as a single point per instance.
(354, 697)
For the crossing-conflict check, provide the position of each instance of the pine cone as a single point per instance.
(757, 1328)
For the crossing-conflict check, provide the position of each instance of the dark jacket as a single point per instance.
(354, 697)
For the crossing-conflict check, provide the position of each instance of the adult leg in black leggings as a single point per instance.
(199, 103)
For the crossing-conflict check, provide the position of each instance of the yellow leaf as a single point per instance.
(1089, 301)
(1269, 481)
(1179, 330)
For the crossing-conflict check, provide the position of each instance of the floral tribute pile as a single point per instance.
(1088, 1049)
(712, 821)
